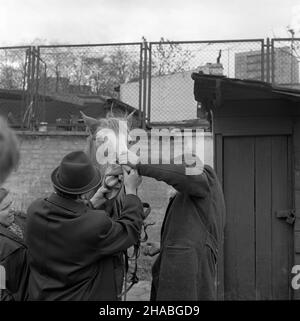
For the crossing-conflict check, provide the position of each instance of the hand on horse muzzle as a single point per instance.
(113, 185)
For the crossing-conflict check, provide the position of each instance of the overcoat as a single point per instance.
(191, 234)
(13, 257)
(74, 251)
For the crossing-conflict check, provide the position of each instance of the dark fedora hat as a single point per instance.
(76, 174)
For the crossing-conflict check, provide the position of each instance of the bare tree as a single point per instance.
(12, 68)
(110, 70)
(169, 57)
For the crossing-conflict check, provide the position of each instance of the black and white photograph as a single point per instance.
(149, 152)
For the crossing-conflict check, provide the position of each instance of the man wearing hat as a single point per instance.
(72, 247)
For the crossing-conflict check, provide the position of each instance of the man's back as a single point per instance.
(72, 248)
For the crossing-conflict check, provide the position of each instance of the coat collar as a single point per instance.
(66, 203)
(7, 233)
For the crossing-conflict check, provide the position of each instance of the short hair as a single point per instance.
(9, 152)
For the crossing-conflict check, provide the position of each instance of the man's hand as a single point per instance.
(99, 198)
(131, 181)
(129, 158)
(152, 248)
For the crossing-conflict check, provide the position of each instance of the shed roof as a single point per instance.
(223, 88)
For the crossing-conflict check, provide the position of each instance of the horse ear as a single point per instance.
(130, 119)
(91, 123)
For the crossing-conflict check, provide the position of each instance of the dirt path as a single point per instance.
(140, 292)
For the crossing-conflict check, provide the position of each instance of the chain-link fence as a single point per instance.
(73, 71)
(154, 78)
(170, 87)
(14, 76)
(285, 57)
(13, 64)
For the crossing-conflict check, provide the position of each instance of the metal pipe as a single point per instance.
(32, 96)
(37, 76)
(206, 41)
(145, 83)
(23, 104)
(272, 62)
(15, 47)
(262, 61)
(268, 60)
(92, 45)
(285, 39)
(149, 85)
(140, 86)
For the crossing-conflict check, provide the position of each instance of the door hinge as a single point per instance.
(289, 215)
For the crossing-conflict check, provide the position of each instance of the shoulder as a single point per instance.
(35, 204)
(209, 172)
(9, 245)
(98, 219)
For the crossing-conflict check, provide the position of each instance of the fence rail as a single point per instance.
(154, 78)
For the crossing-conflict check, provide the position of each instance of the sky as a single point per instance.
(25, 22)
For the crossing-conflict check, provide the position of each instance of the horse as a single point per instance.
(114, 132)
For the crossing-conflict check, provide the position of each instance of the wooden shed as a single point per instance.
(256, 131)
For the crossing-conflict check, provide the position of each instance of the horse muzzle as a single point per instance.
(113, 181)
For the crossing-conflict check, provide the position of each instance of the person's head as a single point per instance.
(7, 212)
(75, 176)
(9, 153)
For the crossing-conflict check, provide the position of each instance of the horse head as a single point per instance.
(108, 135)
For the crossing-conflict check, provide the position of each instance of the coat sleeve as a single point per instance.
(176, 176)
(118, 235)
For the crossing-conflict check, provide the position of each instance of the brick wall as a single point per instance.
(40, 154)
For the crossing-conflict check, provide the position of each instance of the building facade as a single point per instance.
(248, 65)
(172, 97)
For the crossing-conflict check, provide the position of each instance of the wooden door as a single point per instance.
(258, 246)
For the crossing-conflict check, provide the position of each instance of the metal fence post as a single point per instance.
(272, 64)
(141, 119)
(32, 88)
(262, 60)
(145, 85)
(268, 60)
(24, 88)
(149, 84)
(36, 82)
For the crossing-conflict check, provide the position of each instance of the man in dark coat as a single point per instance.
(14, 260)
(73, 249)
(12, 248)
(191, 234)
(13, 252)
